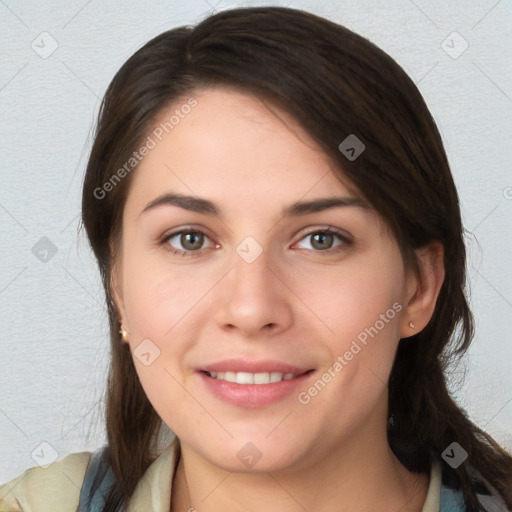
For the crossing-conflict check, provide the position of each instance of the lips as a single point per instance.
(254, 395)
(253, 384)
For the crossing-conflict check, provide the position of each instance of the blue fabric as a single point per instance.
(451, 500)
(98, 480)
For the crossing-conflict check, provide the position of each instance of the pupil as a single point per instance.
(191, 240)
(321, 238)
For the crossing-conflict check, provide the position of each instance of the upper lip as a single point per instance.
(262, 366)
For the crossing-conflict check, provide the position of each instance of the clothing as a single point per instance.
(65, 485)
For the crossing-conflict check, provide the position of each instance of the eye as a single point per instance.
(325, 240)
(191, 242)
(186, 242)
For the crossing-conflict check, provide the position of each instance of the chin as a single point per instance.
(254, 455)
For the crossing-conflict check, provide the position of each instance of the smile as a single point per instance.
(253, 390)
(252, 378)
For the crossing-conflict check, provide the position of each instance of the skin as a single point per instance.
(332, 453)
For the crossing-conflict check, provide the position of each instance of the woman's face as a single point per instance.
(257, 287)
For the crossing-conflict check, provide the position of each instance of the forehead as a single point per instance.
(232, 147)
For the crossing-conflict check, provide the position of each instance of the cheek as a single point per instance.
(359, 305)
(352, 296)
(159, 296)
(160, 303)
(362, 309)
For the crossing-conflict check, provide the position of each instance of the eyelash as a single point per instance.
(345, 242)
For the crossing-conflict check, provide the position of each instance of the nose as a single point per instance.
(253, 298)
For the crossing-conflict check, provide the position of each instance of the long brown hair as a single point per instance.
(335, 83)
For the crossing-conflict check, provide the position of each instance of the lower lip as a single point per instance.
(253, 396)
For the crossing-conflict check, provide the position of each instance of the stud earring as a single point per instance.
(124, 334)
(411, 325)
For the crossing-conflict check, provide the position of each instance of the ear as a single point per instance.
(423, 289)
(117, 296)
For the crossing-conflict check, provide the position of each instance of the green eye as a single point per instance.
(192, 241)
(186, 243)
(324, 241)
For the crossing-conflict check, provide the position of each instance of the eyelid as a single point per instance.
(190, 228)
(344, 235)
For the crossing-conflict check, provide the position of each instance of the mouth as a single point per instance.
(247, 378)
(254, 390)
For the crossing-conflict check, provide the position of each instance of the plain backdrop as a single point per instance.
(57, 59)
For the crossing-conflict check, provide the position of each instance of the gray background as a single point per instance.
(54, 338)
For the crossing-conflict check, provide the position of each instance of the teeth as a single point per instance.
(252, 378)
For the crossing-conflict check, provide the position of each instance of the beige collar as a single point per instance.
(433, 499)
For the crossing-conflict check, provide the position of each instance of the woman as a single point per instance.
(280, 242)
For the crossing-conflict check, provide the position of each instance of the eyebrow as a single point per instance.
(206, 207)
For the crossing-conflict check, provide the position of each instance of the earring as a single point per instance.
(411, 325)
(124, 334)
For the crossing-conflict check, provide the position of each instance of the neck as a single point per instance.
(363, 475)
